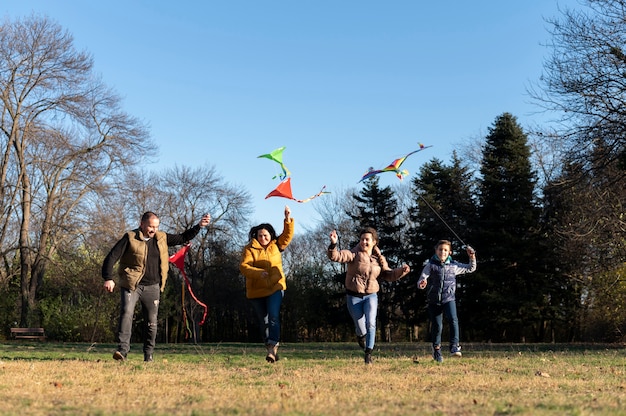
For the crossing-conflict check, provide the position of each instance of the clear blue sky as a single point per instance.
(344, 85)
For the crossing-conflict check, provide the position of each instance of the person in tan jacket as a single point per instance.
(365, 265)
(142, 272)
(262, 266)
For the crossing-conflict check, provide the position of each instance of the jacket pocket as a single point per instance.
(359, 284)
(260, 283)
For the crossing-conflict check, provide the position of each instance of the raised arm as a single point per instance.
(340, 256)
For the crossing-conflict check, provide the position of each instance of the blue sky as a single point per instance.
(344, 85)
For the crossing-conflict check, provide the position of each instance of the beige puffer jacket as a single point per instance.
(364, 270)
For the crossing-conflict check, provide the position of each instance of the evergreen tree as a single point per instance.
(444, 205)
(508, 287)
(377, 207)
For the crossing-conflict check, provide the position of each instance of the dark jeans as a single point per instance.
(436, 313)
(268, 313)
(149, 297)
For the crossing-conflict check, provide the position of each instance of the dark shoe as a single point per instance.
(361, 341)
(437, 354)
(271, 353)
(119, 356)
(456, 351)
(148, 358)
(368, 356)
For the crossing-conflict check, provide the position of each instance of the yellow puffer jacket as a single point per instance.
(255, 260)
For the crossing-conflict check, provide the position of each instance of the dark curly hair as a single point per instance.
(265, 226)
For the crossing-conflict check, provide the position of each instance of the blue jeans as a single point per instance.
(149, 297)
(268, 313)
(363, 312)
(436, 313)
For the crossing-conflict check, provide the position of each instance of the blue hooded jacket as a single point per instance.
(441, 278)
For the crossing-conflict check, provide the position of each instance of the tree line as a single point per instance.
(542, 206)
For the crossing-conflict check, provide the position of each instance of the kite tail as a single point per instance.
(206, 308)
(321, 192)
(178, 259)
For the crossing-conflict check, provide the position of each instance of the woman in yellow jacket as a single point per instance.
(262, 266)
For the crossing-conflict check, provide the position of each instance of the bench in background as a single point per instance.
(28, 333)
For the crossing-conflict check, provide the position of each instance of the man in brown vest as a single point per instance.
(143, 265)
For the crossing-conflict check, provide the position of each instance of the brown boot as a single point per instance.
(271, 356)
(368, 355)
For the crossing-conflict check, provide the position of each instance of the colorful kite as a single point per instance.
(178, 259)
(283, 190)
(277, 156)
(394, 166)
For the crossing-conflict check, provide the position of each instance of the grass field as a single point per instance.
(312, 379)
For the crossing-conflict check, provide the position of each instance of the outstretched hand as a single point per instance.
(333, 237)
(287, 213)
(205, 220)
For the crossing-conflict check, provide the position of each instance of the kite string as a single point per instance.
(443, 221)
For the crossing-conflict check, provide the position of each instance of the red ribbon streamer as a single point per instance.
(178, 259)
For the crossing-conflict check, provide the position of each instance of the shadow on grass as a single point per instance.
(43, 351)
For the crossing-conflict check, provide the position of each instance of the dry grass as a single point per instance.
(312, 379)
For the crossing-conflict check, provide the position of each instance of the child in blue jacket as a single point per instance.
(439, 279)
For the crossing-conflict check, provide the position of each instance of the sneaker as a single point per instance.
(455, 351)
(437, 355)
(148, 358)
(368, 356)
(361, 340)
(119, 356)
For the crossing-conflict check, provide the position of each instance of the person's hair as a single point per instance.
(147, 215)
(265, 226)
(372, 231)
(441, 242)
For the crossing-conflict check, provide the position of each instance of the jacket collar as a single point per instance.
(436, 259)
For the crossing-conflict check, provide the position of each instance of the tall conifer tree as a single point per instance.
(508, 285)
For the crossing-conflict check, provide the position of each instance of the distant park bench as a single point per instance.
(28, 333)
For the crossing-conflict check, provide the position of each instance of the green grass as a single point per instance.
(313, 379)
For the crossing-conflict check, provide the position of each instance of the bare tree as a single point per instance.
(334, 210)
(64, 137)
(583, 83)
(188, 193)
